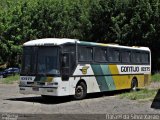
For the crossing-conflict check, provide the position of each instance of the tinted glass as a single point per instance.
(40, 60)
(48, 60)
(29, 60)
(113, 55)
(136, 57)
(85, 54)
(100, 55)
(126, 56)
(145, 57)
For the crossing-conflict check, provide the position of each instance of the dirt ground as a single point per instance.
(11, 101)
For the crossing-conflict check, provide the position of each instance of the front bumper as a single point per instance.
(52, 91)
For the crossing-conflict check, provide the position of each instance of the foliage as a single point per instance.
(126, 22)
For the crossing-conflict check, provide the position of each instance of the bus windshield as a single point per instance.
(40, 60)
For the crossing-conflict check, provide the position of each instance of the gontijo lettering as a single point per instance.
(129, 69)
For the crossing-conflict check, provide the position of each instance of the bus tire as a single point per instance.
(80, 91)
(134, 85)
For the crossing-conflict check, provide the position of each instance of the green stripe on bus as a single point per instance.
(88, 43)
(103, 86)
(109, 79)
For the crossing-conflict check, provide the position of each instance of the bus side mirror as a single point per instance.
(65, 66)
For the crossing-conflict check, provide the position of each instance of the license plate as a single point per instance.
(35, 88)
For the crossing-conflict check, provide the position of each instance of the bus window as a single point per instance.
(126, 56)
(145, 57)
(48, 60)
(29, 60)
(113, 55)
(100, 55)
(69, 48)
(85, 54)
(136, 57)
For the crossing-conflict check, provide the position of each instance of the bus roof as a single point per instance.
(114, 45)
(60, 41)
(49, 41)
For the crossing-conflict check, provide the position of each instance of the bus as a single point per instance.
(62, 67)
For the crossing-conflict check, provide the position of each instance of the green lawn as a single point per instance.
(156, 77)
(143, 94)
(10, 79)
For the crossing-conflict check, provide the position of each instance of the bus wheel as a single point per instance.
(134, 85)
(80, 91)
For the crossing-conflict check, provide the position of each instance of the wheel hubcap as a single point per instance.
(79, 91)
(134, 86)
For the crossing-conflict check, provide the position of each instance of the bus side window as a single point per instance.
(113, 55)
(126, 56)
(145, 58)
(85, 54)
(100, 55)
(116, 56)
(110, 57)
(136, 57)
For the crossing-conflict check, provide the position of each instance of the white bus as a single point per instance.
(61, 67)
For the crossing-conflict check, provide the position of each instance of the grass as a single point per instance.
(156, 77)
(10, 79)
(143, 94)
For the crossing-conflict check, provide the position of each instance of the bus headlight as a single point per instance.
(55, 83)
